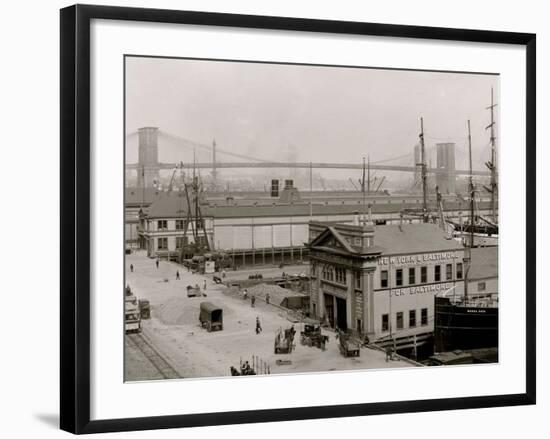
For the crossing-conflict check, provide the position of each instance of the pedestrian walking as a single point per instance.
(258, 325)
(267, 297)
(245, 294)
(223, 273)
(389, 354)
(252, 300)
(177, 275)
(131, 268)
(157, 263)
(204, 285)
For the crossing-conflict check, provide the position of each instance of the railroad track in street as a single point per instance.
(153, 355)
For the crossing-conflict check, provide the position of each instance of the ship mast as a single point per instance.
(492, 164)
(471, 187)
(468, 258)
(423, 173)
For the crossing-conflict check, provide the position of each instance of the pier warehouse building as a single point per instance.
(255, 229)
(380, 281)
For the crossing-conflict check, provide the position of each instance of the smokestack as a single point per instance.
(355, 218)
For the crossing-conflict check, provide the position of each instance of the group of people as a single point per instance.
(245, 370)
(253, 298)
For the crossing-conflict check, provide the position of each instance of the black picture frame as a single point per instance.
(75, 217)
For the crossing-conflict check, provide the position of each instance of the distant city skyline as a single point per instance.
(305, 113)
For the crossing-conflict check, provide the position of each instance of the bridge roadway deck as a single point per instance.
(307, 165)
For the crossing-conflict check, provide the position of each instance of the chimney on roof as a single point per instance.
(367, 236)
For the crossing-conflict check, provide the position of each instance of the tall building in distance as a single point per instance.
(148, 152)
(446, 176)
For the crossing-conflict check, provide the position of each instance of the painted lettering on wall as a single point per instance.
(433, 288)
(419, 259)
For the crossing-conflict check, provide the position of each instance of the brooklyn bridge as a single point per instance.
(148, 165)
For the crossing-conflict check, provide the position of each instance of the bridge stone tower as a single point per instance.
(446, 176)
(148, 152)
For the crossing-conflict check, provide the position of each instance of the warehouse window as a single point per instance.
(179, 224)
(424, 316)
(481, 286)
(412, 318)
(384, 279)
(399, 320)
(385, 322)
(437, 273)
(412, 276)
(162, 244)
(399, 277)
(449, 272)
(423, 275)
(162, 224)
(459, 270)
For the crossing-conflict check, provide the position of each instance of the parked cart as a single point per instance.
(348, 346)
(193, 291)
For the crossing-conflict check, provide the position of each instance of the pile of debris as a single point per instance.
(280, 296)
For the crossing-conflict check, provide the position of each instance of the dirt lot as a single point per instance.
(193, 352)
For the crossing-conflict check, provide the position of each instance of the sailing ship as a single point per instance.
(466, 322)
(484, 230)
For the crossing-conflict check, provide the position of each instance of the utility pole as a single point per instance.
(368, 174)
(392, 338)
(492, 164)
(363, 193)
(214, 169)
(368, 187)
(423, 174)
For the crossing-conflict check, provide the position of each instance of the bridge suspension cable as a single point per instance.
(209, 147)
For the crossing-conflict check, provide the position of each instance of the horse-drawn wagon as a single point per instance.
(311, 334)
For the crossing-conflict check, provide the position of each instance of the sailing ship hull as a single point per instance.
(480, 229)
(464, 327)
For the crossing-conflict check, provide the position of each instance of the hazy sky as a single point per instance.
(305, 113)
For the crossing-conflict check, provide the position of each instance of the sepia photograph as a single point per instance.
(297, 218)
